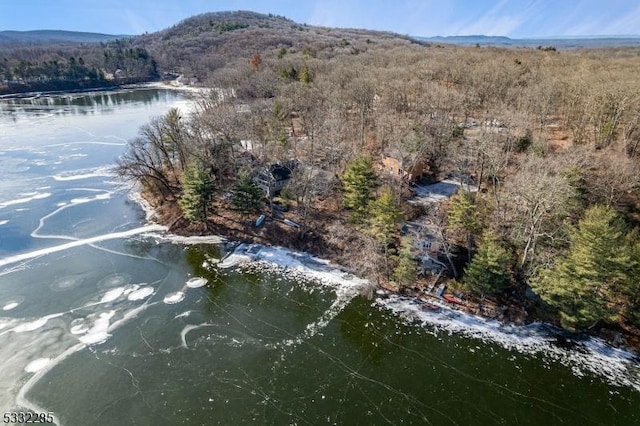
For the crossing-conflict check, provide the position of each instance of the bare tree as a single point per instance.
(536, 200)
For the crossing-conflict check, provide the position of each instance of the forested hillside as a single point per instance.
(205, 44)
(63, 65)
(53, 36)
(545, 146)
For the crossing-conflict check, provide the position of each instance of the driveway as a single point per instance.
(436, 192)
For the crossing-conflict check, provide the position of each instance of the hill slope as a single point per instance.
(558, 42)
(203, 43)
(52, 36)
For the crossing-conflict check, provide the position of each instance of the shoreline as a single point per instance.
(276, 233)
(417, 299)
(32, 94)
(582, 353)
(110, 88)
(504, 311)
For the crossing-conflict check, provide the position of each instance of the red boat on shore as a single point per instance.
(452, 299)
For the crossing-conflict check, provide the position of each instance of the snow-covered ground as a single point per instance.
(438, 191)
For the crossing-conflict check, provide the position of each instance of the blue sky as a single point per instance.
(512, 18)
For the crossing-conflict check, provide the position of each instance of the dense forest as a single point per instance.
(544, 143)
(47, 66)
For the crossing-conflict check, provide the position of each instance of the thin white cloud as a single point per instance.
(322, 15)
(495, 26)
(626, 25)
(499, 20)
(135, 22)
(336, 13)
(427, 17)
(605, 22)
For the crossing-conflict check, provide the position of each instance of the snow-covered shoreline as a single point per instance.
(114, 88)
(181, 87)
(586, 356)
(294, 263)
(135, 195)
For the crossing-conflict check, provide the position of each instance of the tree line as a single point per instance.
(550, 139)
(22, 67)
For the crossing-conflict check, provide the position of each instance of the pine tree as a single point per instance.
(467, 213)
(489, 270)
(305, 76)
(358, 182)
(246, 195)
(405, 271)
(582, 285)
(385, 217)
(197, 186)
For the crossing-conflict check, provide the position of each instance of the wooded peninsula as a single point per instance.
(510, 175)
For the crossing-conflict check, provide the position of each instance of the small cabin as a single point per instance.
(414, 171)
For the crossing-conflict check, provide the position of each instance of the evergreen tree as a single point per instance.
(466, 213)
(385, 217)
(358, 182)
(197, 186)
(405, 271)
(582, 285)
(246, 195)
(305, 76)
(489, 270)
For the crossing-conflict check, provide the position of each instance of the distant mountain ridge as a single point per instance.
(217, 44)
(46, 36)
(557, 42)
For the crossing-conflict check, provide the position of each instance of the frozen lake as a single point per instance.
(105, 322)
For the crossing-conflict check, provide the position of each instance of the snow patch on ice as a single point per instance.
(187, 329)
(37, 365)
(112, 295)
(35, 324)
(9, 306)
(83, 200)
(197, 239)
(140, 293)
(77, 243)
(196, 282)
(173, 298)
(301, 267)
(295, 264)
(79, 329)
(83, 174)
(98, 333)
(33, 196)
(31, 326)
